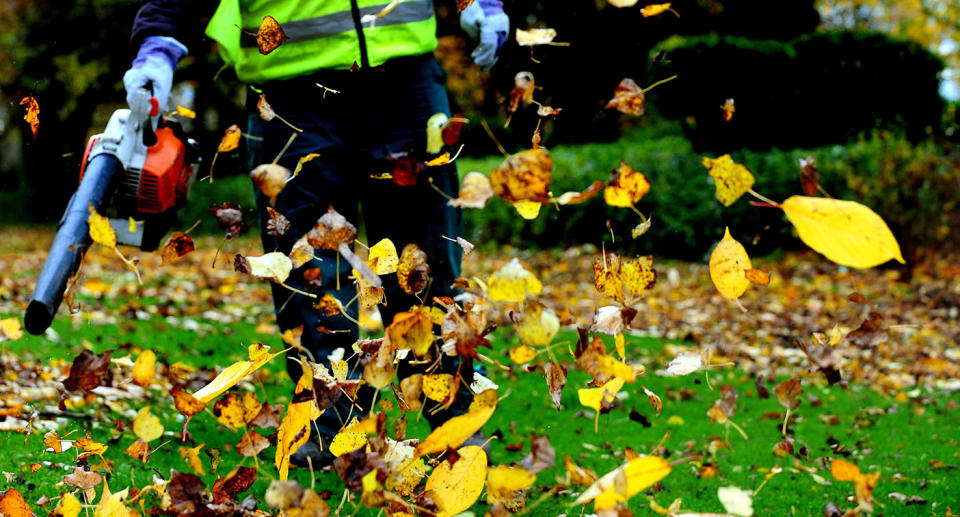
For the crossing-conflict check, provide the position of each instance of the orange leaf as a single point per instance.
(628, 98)
(12, 504)
(178, 245)
(270, 35)
(230, 140)
(33, 114)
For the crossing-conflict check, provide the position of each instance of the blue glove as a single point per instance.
(154, 65)
(485, 22)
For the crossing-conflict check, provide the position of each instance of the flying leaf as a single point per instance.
(230, 139)
(475, 190)
(192, 456)
(654, 9)
(571, 198)
(186, 404)
(524, 176)
(864, 484)
(626, 187)
(277, 224)
(454, 488)
(12, 330)
(294, 430)
(600, 399)
(147, 426)
(512, 283)
(382, 257)
(845, 232)
(628, 98)
(809, 176)
(638, 473)
(88, 371)
(522, 354)
(788, 391)
(12, 504)
(685, 363)
(531, 37)
(252, 443)
(274, 266)
(270, 178)
(728, 109)
(270, 35)
(456, 430)
(538, 326)
(69, 506)
(303, 159)
(230, 218)
(413, 272)
(301, 253)
(178, 245)
(541, 456)
(731, 179)
(528, 210)
(654, 400)
(411, 330)
(728, 265)
(523, 86)
(258, 355)
(641, 228)
(331, 230)
(556, 376)
(435, 125)
(237, 410)
(100, 230)
(266, 111)
(505, 485)
(33, 114)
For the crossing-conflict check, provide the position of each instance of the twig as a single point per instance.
(483, 123)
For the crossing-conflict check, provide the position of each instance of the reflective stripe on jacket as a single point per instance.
(323, 34)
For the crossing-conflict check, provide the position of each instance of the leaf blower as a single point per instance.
(138, 173)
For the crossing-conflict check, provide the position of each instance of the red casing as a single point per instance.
(162, 172)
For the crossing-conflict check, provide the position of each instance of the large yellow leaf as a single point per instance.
(639, 473)
(147, 426)
(731, 179)
(512, 283)
(626, 187)
(258, 356)
(728, 265)
(294, 430)
(145, 368)
(383, 258)
(411, 330)
(455, 431)
(845, 232)
(505, 484)
(455, 488)
(100, 230)
(538, 326)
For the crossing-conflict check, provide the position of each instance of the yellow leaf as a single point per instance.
(147, 426)
(274, 266)
(237, 410)
(528, 209)
(626, 188)
(435, 125)
(512, 283)
(522, 354)
(524, 176)
(100, 230)
(639, 473)
(600, 398)
(412, 330)
(443, 159)
(10, 329)
(623, 3)
(503, 483)
(69, 506)
(654, 9)
(475, 191)
(91, 446)
(845, 232)
(294, 429)
(455, 431)
(33, 114)
(456, 488)
(144, 368)
(186, 112)
(728, 264)
(383, 258)
(111, 504)
(439, 386)
(192, 456)
(347, 440)
(258, 356)
(538, 326)
(731, 179)
(531, 37)
(271, 179)
(230, 140)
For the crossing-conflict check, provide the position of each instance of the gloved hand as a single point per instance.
(485, 21)
(155, 62)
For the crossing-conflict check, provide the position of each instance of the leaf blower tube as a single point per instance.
(70, 244)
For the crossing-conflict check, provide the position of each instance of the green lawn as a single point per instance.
(913, 443)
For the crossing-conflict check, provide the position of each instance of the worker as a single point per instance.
(360, 80)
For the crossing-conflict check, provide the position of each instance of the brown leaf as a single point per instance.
(728, 110)
(178, 245)
(524, 176)
(33, 114)
(139, 449)
(228, 487)
(88, 371)
(570, 198)
(463, 4)
(186, 404)
(230, 219)
(788, 393)
(270, 178)
(475, 191)
(277, 225)
(269, 416)
(524, 85)
(266, 111)
(270, 35)
(331, 230)
(230, 139)
(870, 334)
(451, 130)
(406, 169)
(186, 492)
(756, 276)
(542, 455)
(413, 272)
(809, 176)
(556, 376)
(82, 479)
(628, 98)
(240, 264)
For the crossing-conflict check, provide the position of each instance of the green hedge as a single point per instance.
(813, 90)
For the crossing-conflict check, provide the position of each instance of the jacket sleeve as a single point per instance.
(180, 19)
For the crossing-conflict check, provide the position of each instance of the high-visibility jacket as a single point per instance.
(323, 34)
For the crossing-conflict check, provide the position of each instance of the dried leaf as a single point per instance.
(382, 257)
(33, 114)
(524, 85)
(809, 176)
(531, 37)
(230, 218)
(628, 98)
(524, 176)
(556, 376)
(728, 264)
(455, 488)
(274, 266)
(788, 393)
(88, 371)
(270, 178)
(731, 179)
(230, 139)
(411, 330)
(571, 198)
(626, 187)
(252, 443)
(277, 224)
(178, 245)
(270, 35)
(728, 110)
(654, 9)
(413, 272)
(331, 230)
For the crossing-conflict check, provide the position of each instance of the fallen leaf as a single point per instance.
(455, 488)
(628, 98)
(270, 35)
(147, 426)
(636, 475)
(177, 245)
(88, 371)
(736, 501)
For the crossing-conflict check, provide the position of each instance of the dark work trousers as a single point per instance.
(375, 113)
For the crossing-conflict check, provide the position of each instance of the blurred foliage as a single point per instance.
(914, 187)
(814, 90)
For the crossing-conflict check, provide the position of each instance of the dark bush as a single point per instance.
(810, 91)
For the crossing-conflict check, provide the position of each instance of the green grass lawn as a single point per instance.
(912, 443)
